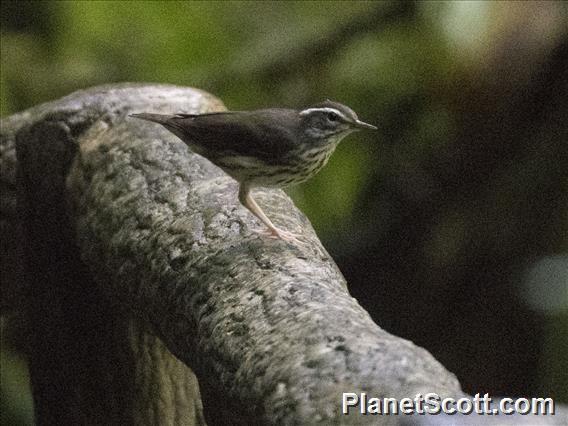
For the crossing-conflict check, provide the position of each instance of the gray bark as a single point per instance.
(131, 240)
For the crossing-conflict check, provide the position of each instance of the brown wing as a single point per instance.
(266, 134)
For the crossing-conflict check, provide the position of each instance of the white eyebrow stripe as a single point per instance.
(326, 109)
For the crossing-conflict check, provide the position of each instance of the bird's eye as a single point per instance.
(331, 116)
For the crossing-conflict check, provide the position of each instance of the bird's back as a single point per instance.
(268, 135)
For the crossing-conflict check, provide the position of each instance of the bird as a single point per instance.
(272, 148)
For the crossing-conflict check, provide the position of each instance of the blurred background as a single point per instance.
(450, 223)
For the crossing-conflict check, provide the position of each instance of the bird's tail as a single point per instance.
(156, 118)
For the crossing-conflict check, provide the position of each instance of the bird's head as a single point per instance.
(329, 120)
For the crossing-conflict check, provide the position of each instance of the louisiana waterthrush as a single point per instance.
(273, 147)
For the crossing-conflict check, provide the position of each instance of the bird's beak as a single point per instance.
(361, 125)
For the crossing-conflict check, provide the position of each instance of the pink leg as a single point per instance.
(246, 200)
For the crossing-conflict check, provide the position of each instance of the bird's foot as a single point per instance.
(279, 234)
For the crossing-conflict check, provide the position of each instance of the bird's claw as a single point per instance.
(279, 234)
